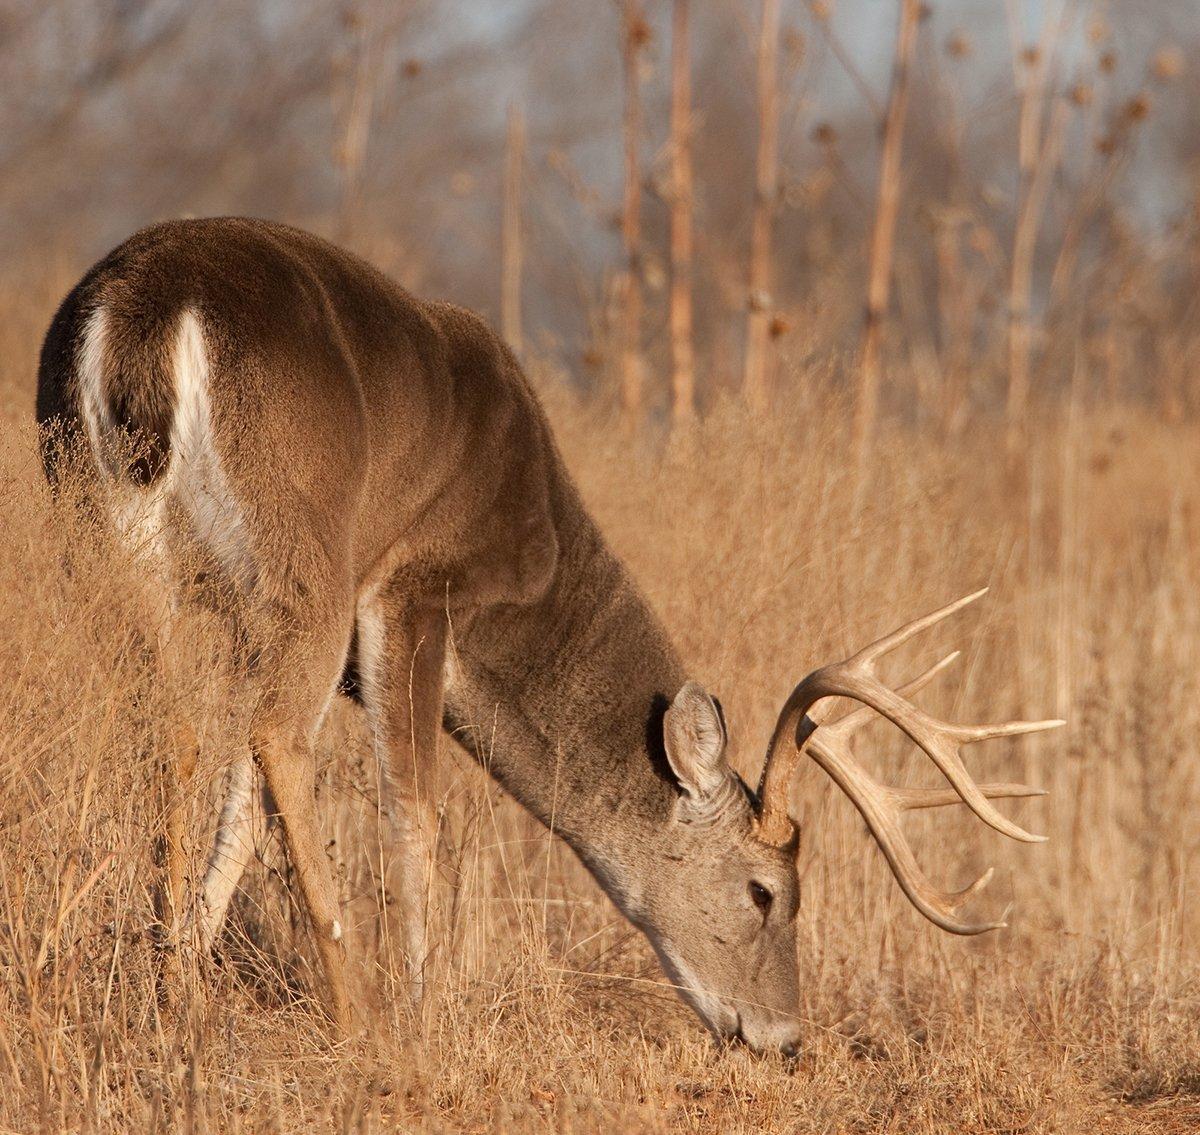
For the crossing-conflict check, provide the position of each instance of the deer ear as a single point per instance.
(694, 738)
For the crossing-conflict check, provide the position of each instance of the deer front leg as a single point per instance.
(401, 655)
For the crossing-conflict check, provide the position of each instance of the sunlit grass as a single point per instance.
(766, 554)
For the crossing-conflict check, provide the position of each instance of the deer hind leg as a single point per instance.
(172, 855)
(240, 833)
(401, 659)
(285, 756)
(176, 778)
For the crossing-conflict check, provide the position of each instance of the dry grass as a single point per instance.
(549, 1013)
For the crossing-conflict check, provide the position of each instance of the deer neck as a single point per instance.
(562, 701)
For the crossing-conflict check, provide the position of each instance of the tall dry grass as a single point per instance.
(766, 554)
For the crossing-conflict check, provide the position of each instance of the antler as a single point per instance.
(881, 806)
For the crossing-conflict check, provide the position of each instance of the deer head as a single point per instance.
(721, 906)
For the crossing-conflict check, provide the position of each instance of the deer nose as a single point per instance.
(780, 1037)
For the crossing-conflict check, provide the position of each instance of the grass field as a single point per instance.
(766, 554)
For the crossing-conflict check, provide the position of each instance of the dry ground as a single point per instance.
(550, 1014)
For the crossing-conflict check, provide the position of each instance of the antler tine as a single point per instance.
(869, 654)
(912, 799)
(972, 733)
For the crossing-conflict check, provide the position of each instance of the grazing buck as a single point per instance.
(365, 470)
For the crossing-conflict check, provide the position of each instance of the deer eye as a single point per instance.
(760, 896)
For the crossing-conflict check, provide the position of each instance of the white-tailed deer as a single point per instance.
(365, 471)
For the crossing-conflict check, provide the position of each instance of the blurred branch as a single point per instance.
(635, 32)
(683, 378)
(1038, 144)
(760, 302)
(378, 27)
(883, 238)
(116, 58)
(511, 253)
(819, 10)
